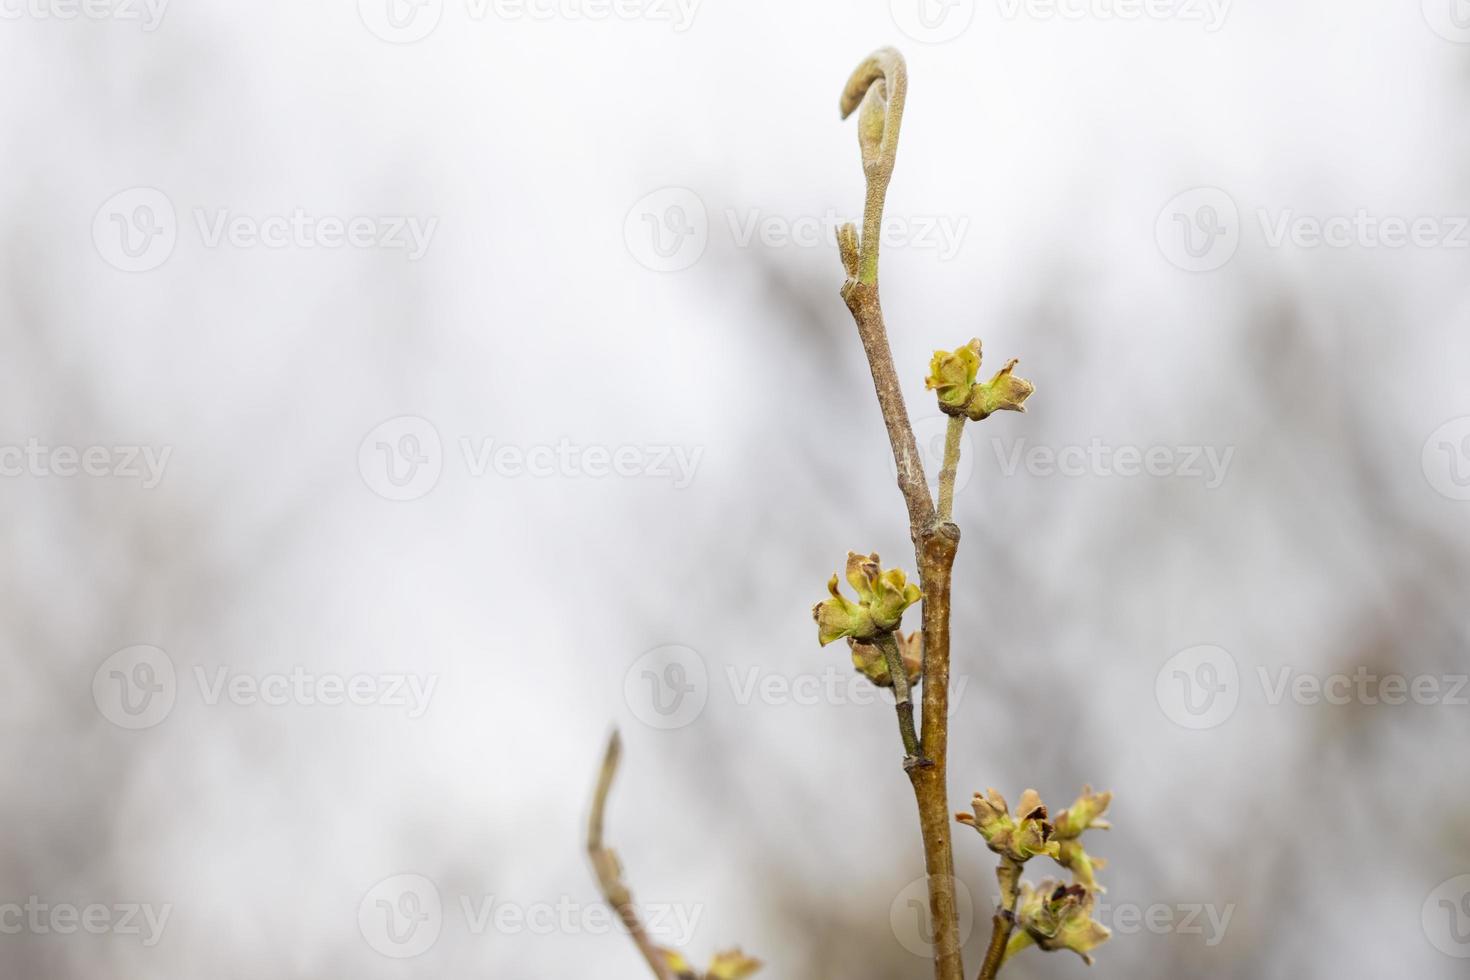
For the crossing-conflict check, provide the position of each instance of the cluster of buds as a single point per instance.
(1057, 916)
(730, 965)
(953, 374)
(1053, 916)
(1018, 838)
(883, 595)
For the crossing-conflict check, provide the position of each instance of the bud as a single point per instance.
(1018, 838)
(953, 374)
(870, 662)
(1085, 814)
(1057, 916)
(1004, 392)
(882, 598)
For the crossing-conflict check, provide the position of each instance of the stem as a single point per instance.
(888, 643)
(609, 871)
(935, 542)
(1009, 876)
(952, 437)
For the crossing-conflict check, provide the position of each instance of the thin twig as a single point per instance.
(952, 437)
(888, 643)
(1009, 876)
(609, 870)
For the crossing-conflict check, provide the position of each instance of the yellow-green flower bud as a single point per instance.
(1004, 392)
(1085, 814)
(952, 374)
(882, 598)
(1057, 916)
(1019, 838)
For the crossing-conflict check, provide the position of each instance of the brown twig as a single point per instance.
(609, 870)
(878, 87)
(1009, 875)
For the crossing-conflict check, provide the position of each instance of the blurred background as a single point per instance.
(398, 396)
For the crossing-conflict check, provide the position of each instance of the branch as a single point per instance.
(878, 88)
(610, 872)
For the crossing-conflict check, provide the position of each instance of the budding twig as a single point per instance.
(609, 870)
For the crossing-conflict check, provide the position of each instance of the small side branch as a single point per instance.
(952, 436)
(609, 870)
(1008, 874)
